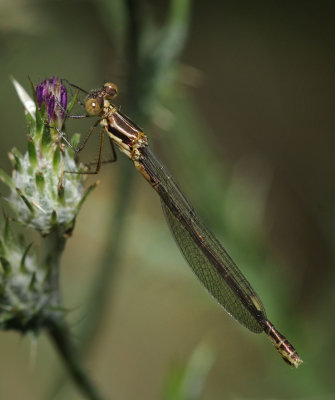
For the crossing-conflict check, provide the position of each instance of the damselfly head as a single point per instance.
(93, 104)
(95, 100)
(111, 90)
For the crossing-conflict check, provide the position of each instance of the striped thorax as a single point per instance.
(129, 137)
(124, 133)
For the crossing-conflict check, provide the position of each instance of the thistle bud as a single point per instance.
(54, 94)
(46, 190)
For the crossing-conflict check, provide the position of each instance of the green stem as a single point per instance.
(60, 334)
(57, 329)
(53, 247)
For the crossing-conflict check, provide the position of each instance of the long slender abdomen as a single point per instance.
(284, 347)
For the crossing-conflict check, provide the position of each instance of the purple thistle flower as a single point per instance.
(53, 93)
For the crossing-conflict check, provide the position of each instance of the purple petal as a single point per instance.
(53, 93)
(50, 102)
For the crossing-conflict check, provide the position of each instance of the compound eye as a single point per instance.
(111, 89)
(93, 106)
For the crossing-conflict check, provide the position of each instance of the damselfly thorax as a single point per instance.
(125, 134)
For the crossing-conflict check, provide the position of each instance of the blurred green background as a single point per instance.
(244, 120)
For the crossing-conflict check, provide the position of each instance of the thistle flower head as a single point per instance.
(54, 94)
(46, 198)
(43, 195)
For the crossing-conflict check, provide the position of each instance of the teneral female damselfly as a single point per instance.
(206, 256)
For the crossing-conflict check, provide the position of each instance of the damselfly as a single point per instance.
(206, 256)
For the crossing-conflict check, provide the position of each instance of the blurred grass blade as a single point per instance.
(115, 15)
(175, 31)
(186, 382)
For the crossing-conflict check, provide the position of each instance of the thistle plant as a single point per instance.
(42, 195)
(45, 197)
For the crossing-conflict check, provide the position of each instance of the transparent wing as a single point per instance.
(206, 256)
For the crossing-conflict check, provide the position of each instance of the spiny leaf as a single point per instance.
(2, 248)
(40, 182)
(15, 160)
(26, 201)
(75, 139)
(8, 233)
(23, 259)
(5, 265)
(46, 139)
(31, 124)
(18, 157)
(72, 102)
(7, 316)
(56, 159)
(40, 124)
(6, 179)
(32, 154)
(32, 281)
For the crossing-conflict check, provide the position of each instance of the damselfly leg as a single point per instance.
(77, 150)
